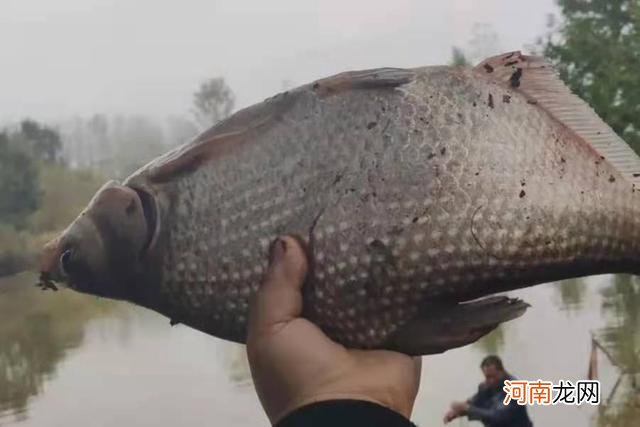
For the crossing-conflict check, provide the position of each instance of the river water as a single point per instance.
(72, 360)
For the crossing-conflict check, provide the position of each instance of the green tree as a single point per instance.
(572, 293)
(458, 57)
(43, 142)
(19, 186)
(213, 101)
(597, 52)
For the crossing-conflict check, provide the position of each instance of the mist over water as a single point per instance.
(71, 359)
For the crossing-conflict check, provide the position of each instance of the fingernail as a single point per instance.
(278, 249)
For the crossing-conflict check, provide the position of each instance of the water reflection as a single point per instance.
(55, 347)
(621, 306)
(624, 409)
(621, 342)
(235, 359)
(572, 293)
(36, 331)
(492, 343)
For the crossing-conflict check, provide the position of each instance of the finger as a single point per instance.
(279, 299)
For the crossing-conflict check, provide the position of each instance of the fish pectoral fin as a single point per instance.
(449, 326)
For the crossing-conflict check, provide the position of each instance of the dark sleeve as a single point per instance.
(497, 414)
(338, 413)
(475, 399)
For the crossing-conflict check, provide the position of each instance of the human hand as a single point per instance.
(460, 407)
(449, 416)
(456, 410)
(293, 363)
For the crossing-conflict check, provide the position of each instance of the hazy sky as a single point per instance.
(81, 57)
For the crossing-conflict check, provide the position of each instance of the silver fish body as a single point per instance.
(413, 191)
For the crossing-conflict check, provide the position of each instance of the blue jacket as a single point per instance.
(487, 405)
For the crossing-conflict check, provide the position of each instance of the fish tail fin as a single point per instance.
(448, 326)
(536, 79)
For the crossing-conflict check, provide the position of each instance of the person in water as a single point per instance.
(487, 405)
(302, 377)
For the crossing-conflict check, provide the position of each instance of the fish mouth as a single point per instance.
(151, 217)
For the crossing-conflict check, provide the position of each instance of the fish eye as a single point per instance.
(65, 261)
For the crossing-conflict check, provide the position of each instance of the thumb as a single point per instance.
(279, 299)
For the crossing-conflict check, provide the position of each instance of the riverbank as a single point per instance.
(64, 193)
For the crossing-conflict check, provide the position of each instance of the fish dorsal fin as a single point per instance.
(236, 130)
(376, 78)
(536, 78)
(222, 138)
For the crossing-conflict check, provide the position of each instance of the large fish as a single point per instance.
(415, 192)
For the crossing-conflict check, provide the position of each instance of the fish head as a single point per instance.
(102, 252)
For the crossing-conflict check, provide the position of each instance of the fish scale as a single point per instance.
(390, 161)
(414, 192)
